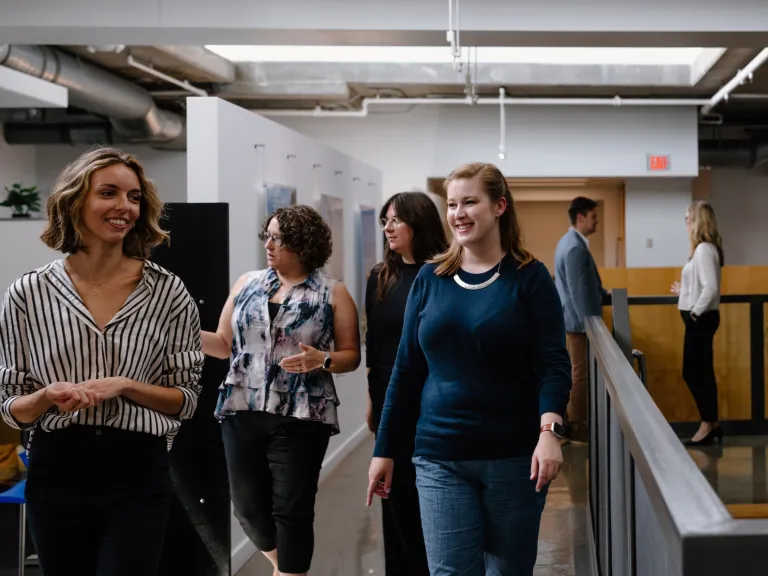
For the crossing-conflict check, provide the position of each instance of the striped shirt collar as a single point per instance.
(56, 274)
(150, 270)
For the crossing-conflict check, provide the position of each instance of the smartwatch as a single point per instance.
(555, 427)
(327, 362)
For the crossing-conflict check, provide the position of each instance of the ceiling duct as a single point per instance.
(133, 115)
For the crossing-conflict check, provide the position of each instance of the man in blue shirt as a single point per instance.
(581, 292)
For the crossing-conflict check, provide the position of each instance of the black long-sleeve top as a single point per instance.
(385, 318)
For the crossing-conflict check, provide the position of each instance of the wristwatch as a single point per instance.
(327, 362)
(555, 427)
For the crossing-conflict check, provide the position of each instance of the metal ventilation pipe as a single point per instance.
(132, 112)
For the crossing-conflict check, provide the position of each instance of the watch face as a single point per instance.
(558, 429)
(327, 363)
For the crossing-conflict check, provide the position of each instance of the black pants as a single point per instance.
(404, 550)
(98, 501)
(699, 362)
(274, 465)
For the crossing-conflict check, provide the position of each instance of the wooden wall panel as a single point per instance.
(701, 186)
(658, 332)
(608, 192)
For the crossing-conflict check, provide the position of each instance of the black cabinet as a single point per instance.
(197, 542)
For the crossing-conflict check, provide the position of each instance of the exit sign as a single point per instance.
(658, 163)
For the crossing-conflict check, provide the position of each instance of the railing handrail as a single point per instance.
(652, 300)
(683, 500)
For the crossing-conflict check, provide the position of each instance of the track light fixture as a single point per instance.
(502, 125)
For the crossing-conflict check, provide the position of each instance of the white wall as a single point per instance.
(41, 165)
(429, 141)
(17, 164)
(21, 250)
(740, 200)
(167, 169)
(655, 211)
(224, 165)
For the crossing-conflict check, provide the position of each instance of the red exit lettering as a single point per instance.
(658, 163)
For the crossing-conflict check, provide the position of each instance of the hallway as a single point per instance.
(348, 535)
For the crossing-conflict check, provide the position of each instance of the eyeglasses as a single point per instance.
(394, 221)
(276, 240)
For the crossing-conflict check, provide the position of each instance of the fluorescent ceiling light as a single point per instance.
(442, 54)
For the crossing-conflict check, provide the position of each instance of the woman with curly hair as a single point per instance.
(100, 356)
(287, 329)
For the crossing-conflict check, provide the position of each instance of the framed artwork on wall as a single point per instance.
(279, 196)
(332, 211)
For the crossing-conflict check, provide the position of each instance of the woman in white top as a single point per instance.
(699, 300)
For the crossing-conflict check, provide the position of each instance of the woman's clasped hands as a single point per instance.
(69, 397)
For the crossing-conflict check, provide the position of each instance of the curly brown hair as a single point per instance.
(305, 233)
(63, 232)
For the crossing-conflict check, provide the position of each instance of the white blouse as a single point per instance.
(700, 282)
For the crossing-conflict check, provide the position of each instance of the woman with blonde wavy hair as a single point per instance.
(101, 358)
(699, 302)
(481, 380)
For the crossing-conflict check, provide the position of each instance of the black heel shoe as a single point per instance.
(708, 440)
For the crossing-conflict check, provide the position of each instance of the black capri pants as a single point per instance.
(274, 466)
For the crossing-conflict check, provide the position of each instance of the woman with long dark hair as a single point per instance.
(482, 380)
(699, 302)
(414, 234)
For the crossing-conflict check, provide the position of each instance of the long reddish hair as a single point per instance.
(495, 185)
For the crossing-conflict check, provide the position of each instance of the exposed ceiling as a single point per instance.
(19, 90)
(192, 63)
(343, 85)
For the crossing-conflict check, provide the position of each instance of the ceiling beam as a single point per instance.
(711, 23)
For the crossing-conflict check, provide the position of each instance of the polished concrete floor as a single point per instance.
(737, 470)
(348, 538)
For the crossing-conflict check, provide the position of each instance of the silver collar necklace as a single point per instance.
(482, 285)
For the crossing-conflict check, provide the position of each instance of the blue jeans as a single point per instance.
(480, 517)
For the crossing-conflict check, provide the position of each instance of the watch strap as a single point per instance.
(552, 427)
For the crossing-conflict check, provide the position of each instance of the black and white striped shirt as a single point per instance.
(48, 335)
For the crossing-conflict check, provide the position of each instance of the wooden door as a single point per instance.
(544, 223)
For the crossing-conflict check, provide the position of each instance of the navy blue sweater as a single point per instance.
(476, 369)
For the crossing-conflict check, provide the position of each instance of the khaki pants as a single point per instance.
(577, 407)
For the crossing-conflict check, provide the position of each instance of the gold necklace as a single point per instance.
(96, 286)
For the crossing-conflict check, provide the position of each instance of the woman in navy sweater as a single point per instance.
(483, 375)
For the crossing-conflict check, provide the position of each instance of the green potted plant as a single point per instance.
(23, 201)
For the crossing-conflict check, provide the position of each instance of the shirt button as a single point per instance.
(98, 432)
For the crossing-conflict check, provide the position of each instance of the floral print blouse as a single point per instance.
(255, 381)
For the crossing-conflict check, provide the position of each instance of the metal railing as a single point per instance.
(652, 511)
(757, 424)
